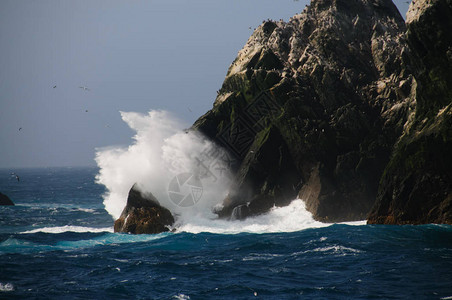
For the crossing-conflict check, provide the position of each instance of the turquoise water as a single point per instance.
(57, 243)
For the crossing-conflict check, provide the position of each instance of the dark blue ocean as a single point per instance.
(57, 243)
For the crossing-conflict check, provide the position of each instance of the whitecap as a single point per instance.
(336, 249)
(87, 210)
(291, 218)
(69, 228)
(7, 287)
(13, 245)
(260, 256)
(354, 223)
(181, 297)
(161, 151)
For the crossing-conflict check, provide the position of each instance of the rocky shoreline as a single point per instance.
(337, 94)
(346, 106)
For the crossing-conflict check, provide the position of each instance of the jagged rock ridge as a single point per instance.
(313, 107)
(342, 105)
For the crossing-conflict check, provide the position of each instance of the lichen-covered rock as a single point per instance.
(313, 107)
(416, 186)
(5, 200)
(143, 214)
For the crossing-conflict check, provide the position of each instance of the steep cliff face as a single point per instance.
(417, 183)
(313, 107)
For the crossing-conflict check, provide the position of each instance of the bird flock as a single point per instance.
(80, 87)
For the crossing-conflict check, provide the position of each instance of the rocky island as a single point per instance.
(345, 106)
(313, 107)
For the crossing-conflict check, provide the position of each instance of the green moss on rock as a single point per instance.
(416, 186)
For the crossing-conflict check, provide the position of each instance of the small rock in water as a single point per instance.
(4, 200)
(143, 214)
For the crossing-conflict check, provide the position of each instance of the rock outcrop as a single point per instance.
(143, 214)
(5, 200)
(417, 183)
(313, 107)
(345, 106)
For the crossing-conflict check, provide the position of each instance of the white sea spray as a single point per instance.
(162, 155)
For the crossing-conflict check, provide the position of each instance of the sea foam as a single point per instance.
(293, 217)
(69, 228)
(163, 156)
(7, 287)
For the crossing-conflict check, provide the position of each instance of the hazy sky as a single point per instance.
(133, 56)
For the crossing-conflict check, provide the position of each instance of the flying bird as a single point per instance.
(84, 88)
(20, 128)
(15, 175)
(54, 86)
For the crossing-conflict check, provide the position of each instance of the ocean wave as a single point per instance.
(354, 223)
(16, 245)
(259, 256)
(291, 218)
(160, 152)
(68, 228)
(56, 206)
(336, 249)
(181, 297)
(87, 210)
(7, 287)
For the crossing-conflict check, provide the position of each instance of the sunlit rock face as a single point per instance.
(312, 108)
